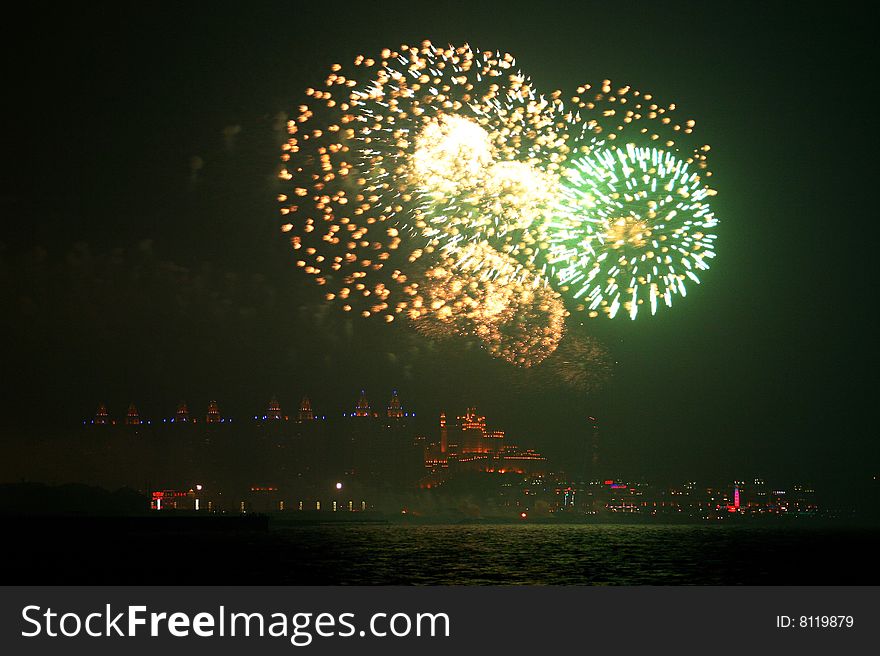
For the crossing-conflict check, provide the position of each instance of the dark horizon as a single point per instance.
(132, 272)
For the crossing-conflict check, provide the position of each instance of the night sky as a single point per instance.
(141, 261)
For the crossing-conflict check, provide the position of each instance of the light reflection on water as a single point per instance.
(524, 554)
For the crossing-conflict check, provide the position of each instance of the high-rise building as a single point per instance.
(132, 418)
(305, 410)
(473, 429)
(101, 416)
(444, 434)
(362, 408)
(273, 412)
(213, 416)
(395, 409)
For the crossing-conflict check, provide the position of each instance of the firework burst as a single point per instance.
(444, 146)
(440, 185)
(633, 223)
(636, 229)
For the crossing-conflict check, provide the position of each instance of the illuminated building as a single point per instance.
(395, 410)
(444, 434)
(173, 500)
(165, 499)
(759, 492)
(273, 412)
(734, 506)
(473, 428)
(101, 417)
(472, 447)
(472, 421)
(132, 418)
(305, 410)
(569, 497)
(182, 414)
(213, 416)
(436, 455)
(493, 441)
(520, 461)
(803, 500)
(362, 407)
(475, 437)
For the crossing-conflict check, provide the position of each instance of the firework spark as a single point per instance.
(440, 185)
(442, 145)
(488, 295)
(637, 227)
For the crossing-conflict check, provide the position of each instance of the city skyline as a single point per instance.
(589, 444)
(214, 466)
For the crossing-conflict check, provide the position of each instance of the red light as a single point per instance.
(609, 482)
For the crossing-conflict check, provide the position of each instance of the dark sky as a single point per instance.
(128, 276)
